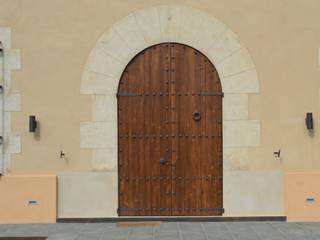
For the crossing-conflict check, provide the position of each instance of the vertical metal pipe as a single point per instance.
(2, 55)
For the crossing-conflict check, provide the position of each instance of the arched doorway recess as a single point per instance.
(237, 72)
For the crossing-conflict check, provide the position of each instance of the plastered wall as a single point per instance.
(302, 196)
(55, 39)
(28, 199)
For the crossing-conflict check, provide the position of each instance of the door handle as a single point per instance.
(162, 161)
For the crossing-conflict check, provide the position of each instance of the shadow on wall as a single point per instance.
(37, 132)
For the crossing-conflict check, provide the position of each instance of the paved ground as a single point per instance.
(168, 231)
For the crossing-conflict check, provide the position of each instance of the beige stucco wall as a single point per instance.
(55, 39)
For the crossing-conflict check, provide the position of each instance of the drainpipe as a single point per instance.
(2, 110)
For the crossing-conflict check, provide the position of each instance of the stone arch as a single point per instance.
(169, 23)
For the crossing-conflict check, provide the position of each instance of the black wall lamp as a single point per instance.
(1, 48)
(309, 121)
(32, 123)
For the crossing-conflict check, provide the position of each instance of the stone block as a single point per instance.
(104, 159)
(12, 144)
(101, 62)
(235, 158)
(190, 23)
(98, 135)
(130, 32)
(224, 46)
(12, 59)
(241, 133)
(97, 83)
(244, 82)
(238, 62)
(5, 36)
(104, 108)
(235, 107)
(87, 195)
(148, 22)
(211, 30)
(169, 17)
(12, 102)
(253, 193)
(113, 44)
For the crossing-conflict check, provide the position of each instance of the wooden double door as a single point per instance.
(170, 134)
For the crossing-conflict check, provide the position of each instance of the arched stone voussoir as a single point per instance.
(190, 24)
(148, 22)
(244, 82)
(236, 63)
(113, 44)
(224, 46)
(211, 30)
(101, 62)
(169, 17)
(130, 32)
(97, 83)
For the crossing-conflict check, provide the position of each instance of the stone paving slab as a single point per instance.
(167, 231)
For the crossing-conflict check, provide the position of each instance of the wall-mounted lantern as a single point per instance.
(1, 48)
(32, 123)
(309, 121)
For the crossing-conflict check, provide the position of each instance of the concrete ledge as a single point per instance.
(174, 219)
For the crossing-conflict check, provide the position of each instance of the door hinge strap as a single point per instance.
(130, 209)
(221, 94)
(212, 209)
(129, 94)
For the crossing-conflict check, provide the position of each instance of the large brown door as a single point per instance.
(170, 134)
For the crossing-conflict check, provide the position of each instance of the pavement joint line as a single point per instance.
(254, 230)
(229, 231)
(277, 229)
(101, 235)
(179, 232)
(129, 233)
(204, 230)
(153, 233)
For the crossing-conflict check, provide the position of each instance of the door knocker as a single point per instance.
(196, 116)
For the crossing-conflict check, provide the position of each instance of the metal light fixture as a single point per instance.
(309, 121)
(32, 123)
(1, 48)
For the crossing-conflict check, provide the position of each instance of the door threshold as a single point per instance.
(174, 219)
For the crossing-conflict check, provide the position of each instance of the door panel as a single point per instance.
(142, 124)
(170, 160)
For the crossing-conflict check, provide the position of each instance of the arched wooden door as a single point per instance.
(170, 134)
